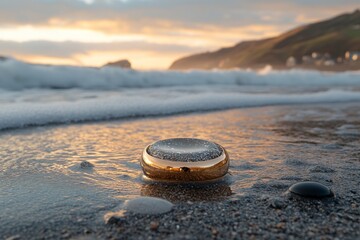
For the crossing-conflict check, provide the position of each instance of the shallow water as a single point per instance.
(270, 148)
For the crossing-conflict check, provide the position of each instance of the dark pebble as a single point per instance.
(86, 164)
(115, 220)
(311, 190)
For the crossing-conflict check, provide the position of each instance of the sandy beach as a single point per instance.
(46, 194)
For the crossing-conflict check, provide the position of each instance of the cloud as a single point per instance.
(209, 36)
(135, 14)
(74, 31)
(96, 54)
(69, 49)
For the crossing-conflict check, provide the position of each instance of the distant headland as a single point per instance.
(333, 45)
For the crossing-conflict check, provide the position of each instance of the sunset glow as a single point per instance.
(208, 38)
(150, 34)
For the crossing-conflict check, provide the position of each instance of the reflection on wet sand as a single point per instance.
(187, 192)
(322, 125)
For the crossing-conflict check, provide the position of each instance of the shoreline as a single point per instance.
(164, 115)
(270, 149)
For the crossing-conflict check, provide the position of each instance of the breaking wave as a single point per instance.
(32, 95)
(16, 75)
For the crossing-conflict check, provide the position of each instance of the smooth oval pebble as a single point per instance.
(311, 189)
(148, 205)
(86, 164)
(185, 149)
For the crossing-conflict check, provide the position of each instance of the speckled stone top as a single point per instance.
(185, 150)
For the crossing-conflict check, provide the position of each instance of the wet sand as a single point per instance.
(46, 194)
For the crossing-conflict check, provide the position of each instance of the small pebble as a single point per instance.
(277, 203)
(115, 218)
(214, 231)
(86, 164)
(311, 189)
(148, 205)
(154, 225)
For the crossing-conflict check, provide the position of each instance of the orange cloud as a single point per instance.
(165, 31)
(106, 32)
(47, 60)
(103, 25)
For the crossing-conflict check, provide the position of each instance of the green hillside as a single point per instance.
(334, 36)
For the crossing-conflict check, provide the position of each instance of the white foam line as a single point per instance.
(22, 114)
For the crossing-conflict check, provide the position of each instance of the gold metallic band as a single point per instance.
(161, 169)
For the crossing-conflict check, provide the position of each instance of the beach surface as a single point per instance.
(47, 193)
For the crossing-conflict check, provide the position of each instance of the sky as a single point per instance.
(151, 34)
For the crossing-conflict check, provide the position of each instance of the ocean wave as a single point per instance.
(22, 114)
(16, 75)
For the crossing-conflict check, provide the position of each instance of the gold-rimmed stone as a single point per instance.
(189, 168)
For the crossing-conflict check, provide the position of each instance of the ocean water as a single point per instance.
(33, 95)
(289, 126)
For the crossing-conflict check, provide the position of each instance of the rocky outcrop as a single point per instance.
(121, 64)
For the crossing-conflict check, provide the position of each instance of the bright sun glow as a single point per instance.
(30, 33)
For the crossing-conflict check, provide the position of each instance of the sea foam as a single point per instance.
(23, 114)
